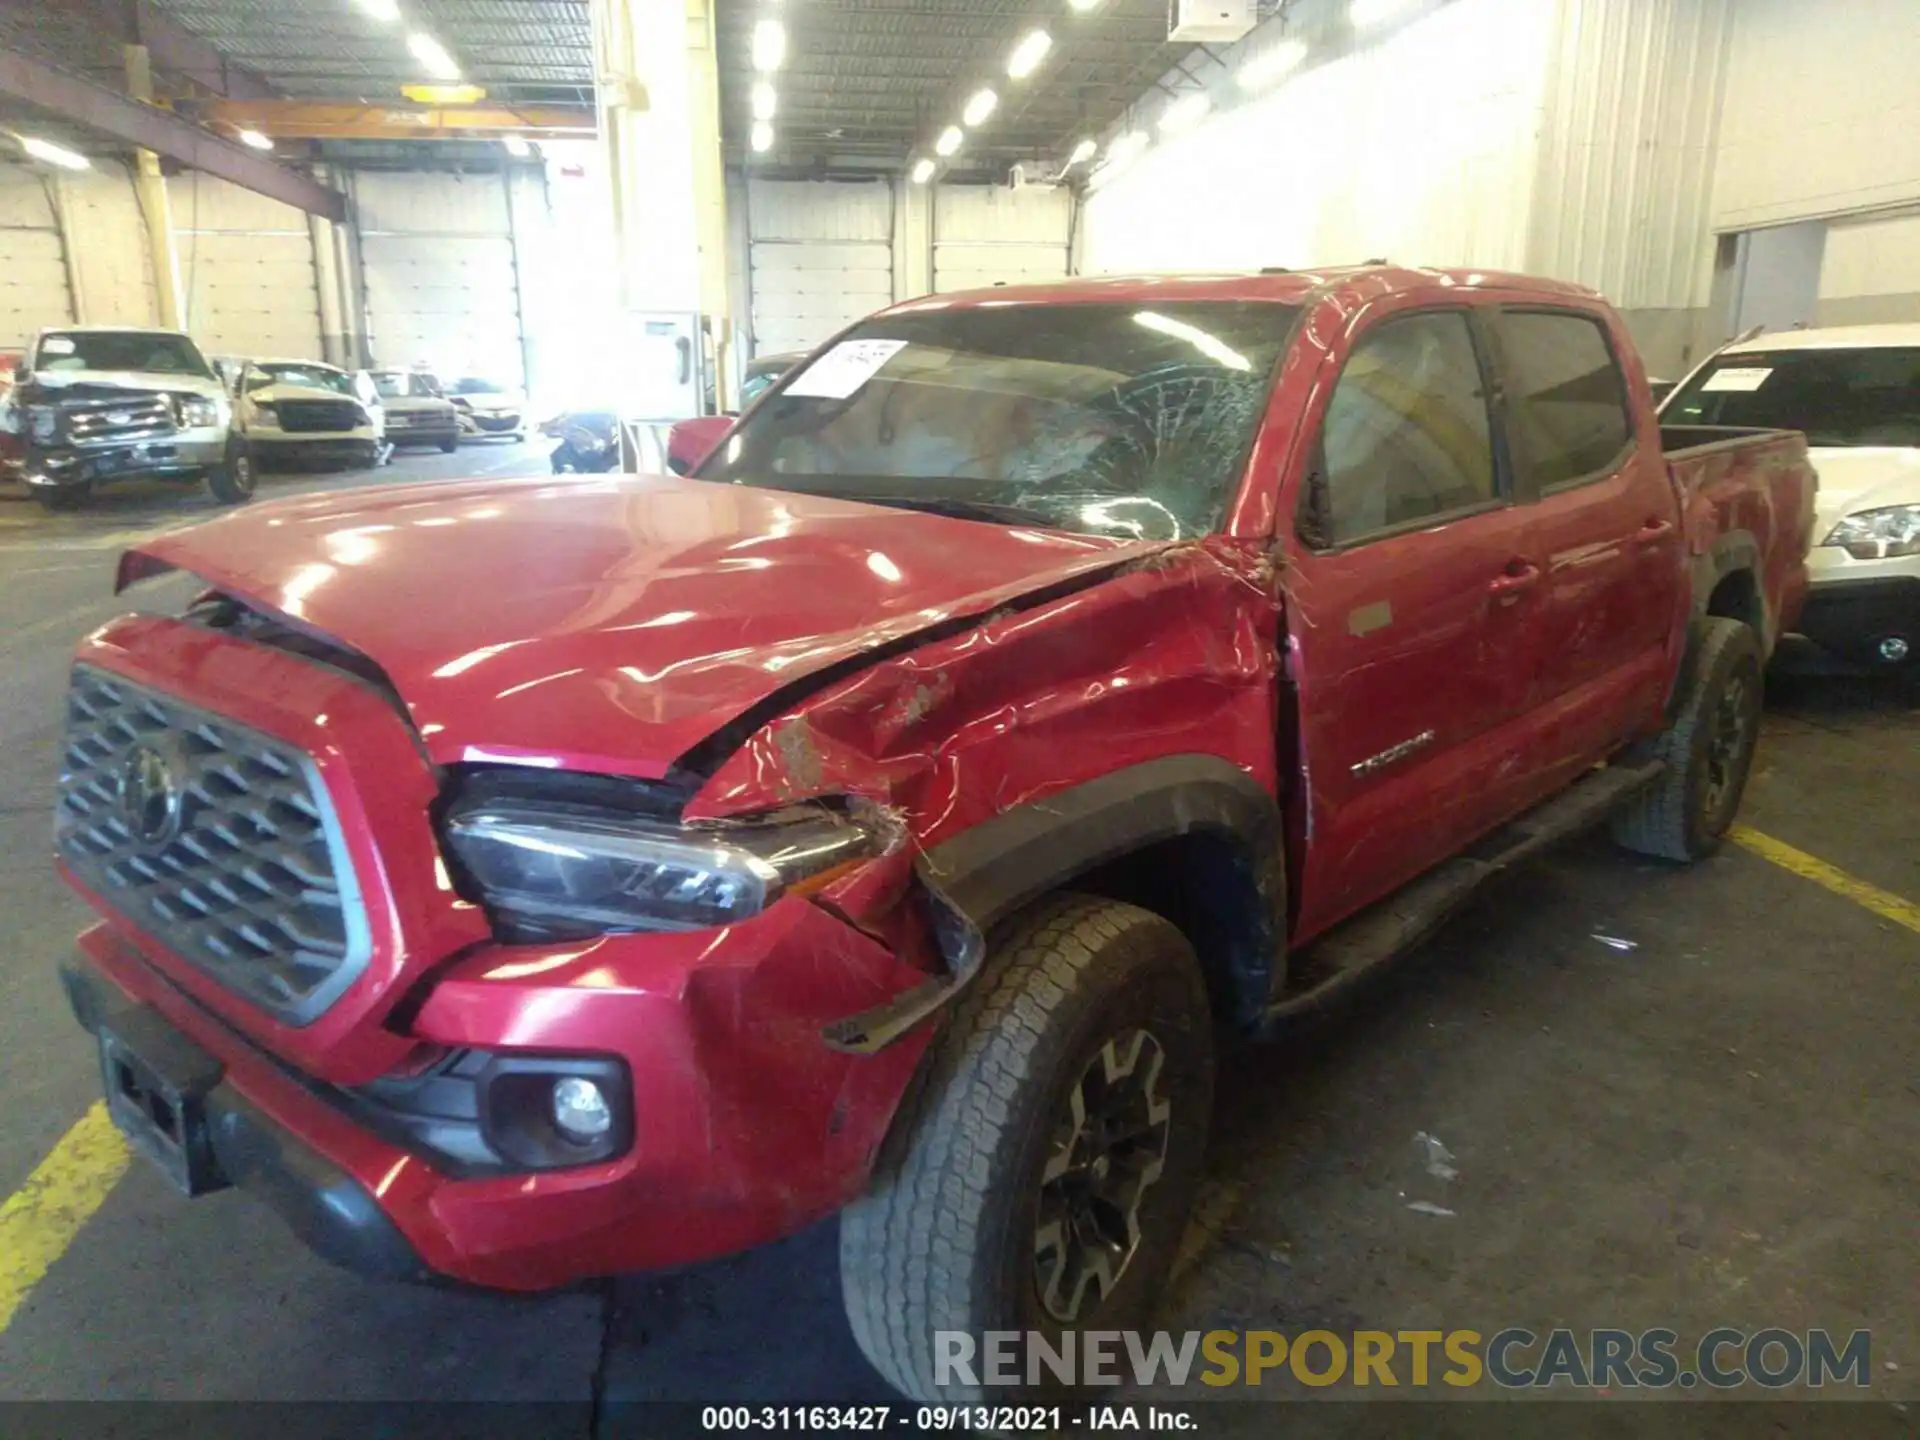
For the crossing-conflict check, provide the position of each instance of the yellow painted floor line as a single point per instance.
(1883, 903)
(40, 1219)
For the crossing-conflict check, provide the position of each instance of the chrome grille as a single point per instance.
(118, 422)
(217, 840)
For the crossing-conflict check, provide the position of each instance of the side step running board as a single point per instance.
(1356, 946)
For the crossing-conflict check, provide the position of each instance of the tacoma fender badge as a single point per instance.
(1397, 752)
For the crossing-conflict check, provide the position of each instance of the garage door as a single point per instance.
(993, 235)
(33, 266)
(822, 258)
(442, 286)
(246, 270)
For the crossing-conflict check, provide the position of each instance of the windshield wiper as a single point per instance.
(992, 511)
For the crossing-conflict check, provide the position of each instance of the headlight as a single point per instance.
(198, 412)
(1883, 534)
(266, 412)
(557, 870)
(43, 421)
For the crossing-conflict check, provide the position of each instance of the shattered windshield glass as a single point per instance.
(1103, 418)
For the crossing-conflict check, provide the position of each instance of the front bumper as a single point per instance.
(1871, 621)
(184, 454)
(422, 434)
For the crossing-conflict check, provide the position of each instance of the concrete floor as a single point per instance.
(1718, 1126)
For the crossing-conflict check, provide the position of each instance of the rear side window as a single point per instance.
(1406, 436)
(1566, 398)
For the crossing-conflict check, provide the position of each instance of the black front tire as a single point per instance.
(447, 447)
(60, 498)
(961, 1228)
(1708, 750)
(233, 480)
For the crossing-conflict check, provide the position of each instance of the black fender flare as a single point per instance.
(998, 867)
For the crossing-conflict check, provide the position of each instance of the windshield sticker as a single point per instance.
(842, 371)
(1744, 379)
(56, 345)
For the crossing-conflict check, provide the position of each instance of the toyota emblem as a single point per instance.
(150, 798)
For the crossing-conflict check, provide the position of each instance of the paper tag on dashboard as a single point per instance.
(56, 345)
(841, 372)
(1740, 378)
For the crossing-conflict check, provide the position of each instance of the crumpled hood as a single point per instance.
(611, 624)
(142, 380)
(1863, 478)
(281, 390)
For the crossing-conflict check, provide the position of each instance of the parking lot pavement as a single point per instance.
(1713, 1120)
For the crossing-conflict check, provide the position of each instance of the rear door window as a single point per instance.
(1567, 416)
(1407, 438)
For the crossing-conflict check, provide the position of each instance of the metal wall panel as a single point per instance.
(1416, 143)
(821, 257)
(819, 210)
(1870, 273)
(1822, 112)
(992, 235)
(430, 203)
(108, 238)
(33, 265)
(246, 270)
(1627, 149)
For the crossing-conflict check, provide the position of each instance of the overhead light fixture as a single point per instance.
(255, 140)
(1084, 152)
(54, 154)
(1185, 113)
(517, 146)
(949, 141)
(1128, 147)
(444, 94)
(766, 101)
(769, 46)
(433, 56)
(762, 136)
(923, 172)
(387, 10)
(1029, 54)
(1272, 66)
(980, 109)
(1364, 14)
(1085, 5)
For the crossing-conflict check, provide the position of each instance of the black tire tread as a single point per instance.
(908, 1247)
(1656, 821)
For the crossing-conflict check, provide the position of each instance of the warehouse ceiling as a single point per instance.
(872, 82)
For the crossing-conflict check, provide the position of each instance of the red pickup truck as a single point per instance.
(525, 882)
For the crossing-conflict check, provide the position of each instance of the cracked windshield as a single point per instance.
(1105, 419)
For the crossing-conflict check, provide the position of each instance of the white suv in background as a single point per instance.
(1856, 394)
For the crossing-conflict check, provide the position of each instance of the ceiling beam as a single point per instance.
(180, 52)
(346, 120)
(108, 113)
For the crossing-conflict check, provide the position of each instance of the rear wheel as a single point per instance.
(232, 481)
(1041, 1176)
(447, 447)
(1708, 750)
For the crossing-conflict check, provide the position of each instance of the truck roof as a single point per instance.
(109, 329)
(1838, 337)
(1278, 286)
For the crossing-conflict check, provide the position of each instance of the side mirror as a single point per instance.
(691, 441)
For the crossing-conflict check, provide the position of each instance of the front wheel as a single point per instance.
(1041, 1175)
(232, 481)
(1708, 750)
(65, 497)
(447, 447)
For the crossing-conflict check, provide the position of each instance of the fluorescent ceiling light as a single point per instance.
(762, 136)
(255, 140)
(766, 101)
(1029, 54)
(517, 146)
(1204, 341)
(54, 154)
(949, 141)
(1367, 13)
(1084, 152)
(388, 10)
(980, 108)
(1271, 66)
(1185, 113)
(769, 45)
(923, 172)
(1085, 4)
(433, 56)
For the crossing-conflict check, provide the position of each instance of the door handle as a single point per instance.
(1519, 577)
(1653, 532)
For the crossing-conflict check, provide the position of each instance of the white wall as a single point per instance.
(247, 281)
(1871, 271)
(988, 235)
(1822, 112)
(1419, 144)
(34, 291)
(107, 238)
